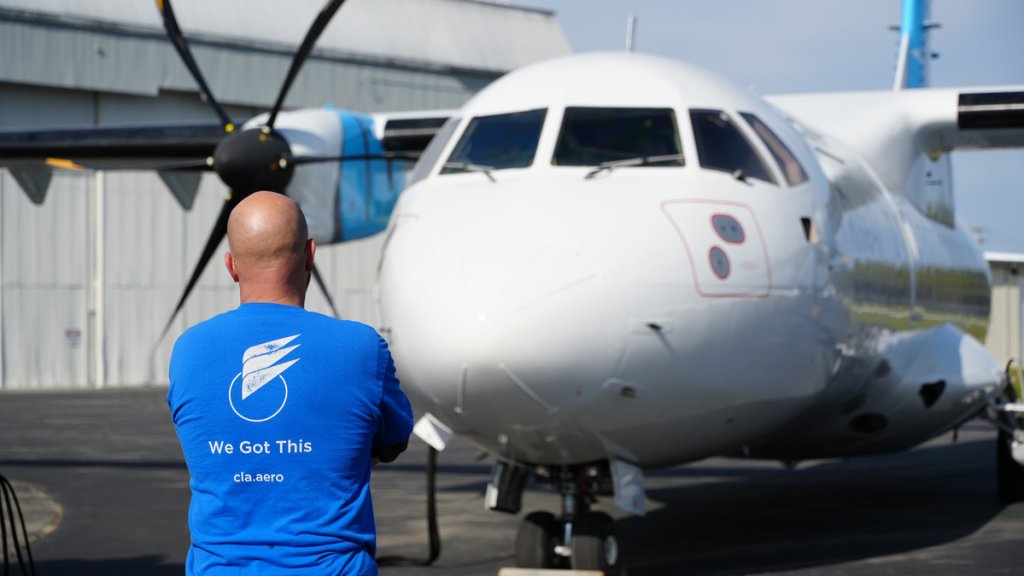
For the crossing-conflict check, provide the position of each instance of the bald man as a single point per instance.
(281, 413)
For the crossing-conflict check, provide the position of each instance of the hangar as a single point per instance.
(89, 277)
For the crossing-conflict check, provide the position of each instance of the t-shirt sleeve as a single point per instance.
(173, 392)
(396, 412)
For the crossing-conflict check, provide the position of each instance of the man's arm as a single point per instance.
(388, 453)
(396, 413)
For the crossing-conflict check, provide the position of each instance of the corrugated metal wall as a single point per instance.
(48, 263)
(441, 35)
(64, 57)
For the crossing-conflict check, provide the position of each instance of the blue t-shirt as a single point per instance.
(278, 411)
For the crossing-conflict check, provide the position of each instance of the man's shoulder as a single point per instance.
(348, 328)
(205, 328)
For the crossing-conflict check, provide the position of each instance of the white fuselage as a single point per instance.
(662, 314)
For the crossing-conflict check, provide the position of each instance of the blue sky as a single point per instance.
(783, 46)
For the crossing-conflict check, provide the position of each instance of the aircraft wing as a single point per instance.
(892, 128)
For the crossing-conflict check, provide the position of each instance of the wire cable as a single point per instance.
(433, 534)
(7, 490)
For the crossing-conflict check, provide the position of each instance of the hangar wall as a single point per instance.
(89, 278)
(48, 264)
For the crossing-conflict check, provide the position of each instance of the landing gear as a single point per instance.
(580, 538)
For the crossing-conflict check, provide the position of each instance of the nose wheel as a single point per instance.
(582, 541)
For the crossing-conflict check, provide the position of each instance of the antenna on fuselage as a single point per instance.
(630, 32)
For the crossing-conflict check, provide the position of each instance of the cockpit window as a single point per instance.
(596, 136)
(722, 146)
(497, 142)
(791, 169)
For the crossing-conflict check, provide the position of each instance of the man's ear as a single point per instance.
(229, 262)
(310, 252)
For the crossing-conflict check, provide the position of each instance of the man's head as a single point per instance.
(270, 254)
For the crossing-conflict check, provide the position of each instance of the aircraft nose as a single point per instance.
(489, 318)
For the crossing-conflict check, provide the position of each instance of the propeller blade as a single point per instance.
(323, 289)
(322, 19)
(181, 45)
(130, 164)
(220, 229)
(298, 160)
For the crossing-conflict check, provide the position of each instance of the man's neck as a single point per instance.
(272, 297)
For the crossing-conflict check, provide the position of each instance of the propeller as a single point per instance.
(249, 160)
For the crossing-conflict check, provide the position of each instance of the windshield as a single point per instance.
(497, 142)
(598, 136)
(722, 146)
(790, 166)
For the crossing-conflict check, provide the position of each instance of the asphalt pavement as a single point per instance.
(105, 490)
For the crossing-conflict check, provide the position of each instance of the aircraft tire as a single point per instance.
(595, 545)
(1009, 473)
(536, 540)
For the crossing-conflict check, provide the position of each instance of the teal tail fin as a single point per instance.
(914, 54)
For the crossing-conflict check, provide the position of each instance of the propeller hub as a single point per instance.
(253, 160)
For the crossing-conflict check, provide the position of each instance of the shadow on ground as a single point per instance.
(149, 565)
(833, 513)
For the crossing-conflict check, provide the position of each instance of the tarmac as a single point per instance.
(104, 489)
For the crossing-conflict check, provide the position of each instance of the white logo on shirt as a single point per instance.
(263, 366)
(258, 363)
